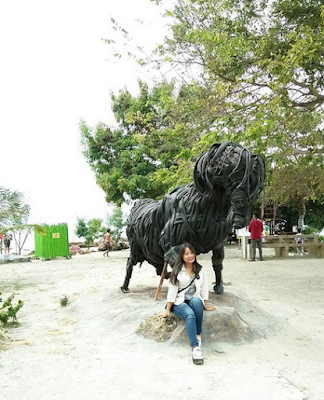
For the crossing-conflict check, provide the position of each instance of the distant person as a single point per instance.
(107, 242)
(232, 237)
(299, 240)
(256, 229)
(6, 242)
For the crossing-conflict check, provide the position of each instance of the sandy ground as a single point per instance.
(90, 349)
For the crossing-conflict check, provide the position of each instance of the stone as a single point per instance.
(157, 328)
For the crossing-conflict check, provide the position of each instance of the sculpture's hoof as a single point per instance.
(219, 289)
(125, 290)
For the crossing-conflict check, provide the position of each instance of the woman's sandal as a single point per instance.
(197, 356)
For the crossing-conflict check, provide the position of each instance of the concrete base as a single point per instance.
(13, 258)
(236, 320)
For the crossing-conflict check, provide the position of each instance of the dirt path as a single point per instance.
(90, 349)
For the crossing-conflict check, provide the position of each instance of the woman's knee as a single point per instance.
(196, 302)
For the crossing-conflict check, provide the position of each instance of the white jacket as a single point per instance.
(183, 281)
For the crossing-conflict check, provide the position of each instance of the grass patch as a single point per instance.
(15, 286)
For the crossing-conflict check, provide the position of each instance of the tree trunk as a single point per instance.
(301, 216)
(274, 220)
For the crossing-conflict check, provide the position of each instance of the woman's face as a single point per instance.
(188, 256)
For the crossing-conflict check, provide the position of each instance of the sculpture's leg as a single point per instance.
(163, 273)
(159, 271)
(217, 260)
(129, 271)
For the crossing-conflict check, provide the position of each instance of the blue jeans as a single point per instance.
(192, 313)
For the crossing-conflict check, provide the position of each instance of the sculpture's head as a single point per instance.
(234, 168)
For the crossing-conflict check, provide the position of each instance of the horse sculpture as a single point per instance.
(227, 181)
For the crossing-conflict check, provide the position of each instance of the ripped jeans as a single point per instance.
(192, 313)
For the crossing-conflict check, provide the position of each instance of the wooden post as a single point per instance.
(164, 270)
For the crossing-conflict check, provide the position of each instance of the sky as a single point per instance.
(55, 70)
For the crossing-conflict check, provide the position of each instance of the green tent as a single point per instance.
(53, 243)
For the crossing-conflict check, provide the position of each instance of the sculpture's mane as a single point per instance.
(231, 166)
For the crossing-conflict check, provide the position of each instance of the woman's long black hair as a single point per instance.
(178, 264)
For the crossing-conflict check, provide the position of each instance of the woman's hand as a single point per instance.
(166, 314)
(209, 308)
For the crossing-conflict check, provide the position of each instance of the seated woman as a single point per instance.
(188, 295)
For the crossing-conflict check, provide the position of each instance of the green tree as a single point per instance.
(248, 70)
(21, 229)
(89, 230)
(14, 214)
(299, 185)
(116, 222)
(147, 142)
(255, 75)
(315, 214)
(262, 63)
(12, 207)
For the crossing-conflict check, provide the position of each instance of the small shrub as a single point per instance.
(309, 230)
(64, 301)
(9, 311)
